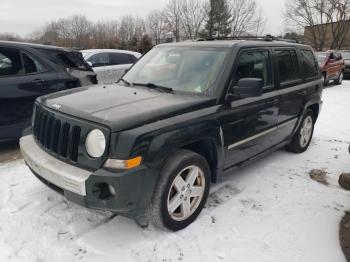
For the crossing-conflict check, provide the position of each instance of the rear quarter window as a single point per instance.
(309, 64)
(69, 60)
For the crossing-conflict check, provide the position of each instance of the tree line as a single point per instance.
(179, 20)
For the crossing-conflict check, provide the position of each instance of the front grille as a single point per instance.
(56, 135)
(63, 136)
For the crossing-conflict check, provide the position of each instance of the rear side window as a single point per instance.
(310, 68)
(10, 62)
(121, 59)
(73, 60)
(255, 64)
(66, 59)
(99, 60)
(287, 65)
(31, 65)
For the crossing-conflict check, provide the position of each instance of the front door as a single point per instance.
(249, 125)
(22, 79)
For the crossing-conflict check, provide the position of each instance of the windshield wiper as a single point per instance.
(154, 86)
(126, 82)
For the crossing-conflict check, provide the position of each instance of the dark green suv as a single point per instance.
(183, 116)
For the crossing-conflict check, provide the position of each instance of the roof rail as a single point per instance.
(267, 38)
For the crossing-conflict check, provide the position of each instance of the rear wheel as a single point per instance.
(303, 136)
(181, 192)
(339, 81)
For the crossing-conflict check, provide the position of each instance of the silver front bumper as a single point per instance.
(61, 174)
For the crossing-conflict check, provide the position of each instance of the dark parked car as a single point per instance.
(183, 116)
(332, 66)
(28, 71)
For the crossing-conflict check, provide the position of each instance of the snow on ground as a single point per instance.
(270, 211)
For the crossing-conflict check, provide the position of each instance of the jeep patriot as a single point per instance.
(185, 115)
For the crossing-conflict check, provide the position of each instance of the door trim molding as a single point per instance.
(261, 134)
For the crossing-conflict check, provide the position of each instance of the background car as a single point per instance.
(332, 66)
(110, 64)
(346, 56)
(28, 71)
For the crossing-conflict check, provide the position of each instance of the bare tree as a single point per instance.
(338, 14)
(245, 18)
(309, 14)
(260, 23)
(105, 34)
(80, 29)
(156, 26)
(10, 37)
(193, 18)
(173, 19)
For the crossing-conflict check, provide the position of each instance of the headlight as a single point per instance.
(95, 143)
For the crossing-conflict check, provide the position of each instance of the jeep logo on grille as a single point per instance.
(56, 106)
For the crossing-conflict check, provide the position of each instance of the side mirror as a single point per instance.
(248, 87)
(90, 64)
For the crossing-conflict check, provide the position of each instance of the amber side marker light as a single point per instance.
(123, 164)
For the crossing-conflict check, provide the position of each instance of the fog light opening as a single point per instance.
(103, 191)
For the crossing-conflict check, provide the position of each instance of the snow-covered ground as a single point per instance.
(270, 211)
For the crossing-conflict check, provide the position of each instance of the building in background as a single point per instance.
(329, 36)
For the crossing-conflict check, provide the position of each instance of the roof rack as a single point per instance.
(267, 38)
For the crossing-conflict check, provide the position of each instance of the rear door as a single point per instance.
(291, 71)
(249, 125)
(22, 79)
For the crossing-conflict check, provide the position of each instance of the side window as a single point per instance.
(99, 60)
(133, 59)
(31, 65)
(120, 59)
(310, 68)
(255, 64)
(287, 64)
(10, 62)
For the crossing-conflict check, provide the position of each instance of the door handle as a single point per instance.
(38, 81)
(304, 93)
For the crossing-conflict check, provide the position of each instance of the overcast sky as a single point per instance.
(24, 16)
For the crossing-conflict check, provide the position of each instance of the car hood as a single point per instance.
(121, 108)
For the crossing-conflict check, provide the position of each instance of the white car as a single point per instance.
(110, 64)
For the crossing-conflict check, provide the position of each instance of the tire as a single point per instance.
(339, 81)
(303, 136)
(174, 187)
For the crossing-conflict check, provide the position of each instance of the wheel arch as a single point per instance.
(315, 108)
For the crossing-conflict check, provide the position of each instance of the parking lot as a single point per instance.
(269, 211)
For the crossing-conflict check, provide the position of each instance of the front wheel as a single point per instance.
(181, 192)
(303, 136)
(339, 81)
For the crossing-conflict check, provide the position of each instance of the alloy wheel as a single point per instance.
(306, 131)
(186, 193)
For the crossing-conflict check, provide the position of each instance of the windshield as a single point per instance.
(185, 69)
(321, 57)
